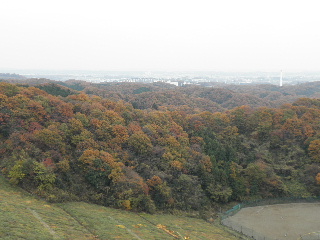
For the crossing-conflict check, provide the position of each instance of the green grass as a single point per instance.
(17, 219)
(23, 216)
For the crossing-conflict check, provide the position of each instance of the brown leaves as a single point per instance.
(89, 157)
(314, 150)
(154, 181)
(318, 178)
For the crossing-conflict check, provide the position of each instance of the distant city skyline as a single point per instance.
(176, 35)
(178, 78)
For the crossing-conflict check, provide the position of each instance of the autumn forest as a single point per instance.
(160, 148)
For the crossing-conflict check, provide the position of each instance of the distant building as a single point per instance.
(174, 83)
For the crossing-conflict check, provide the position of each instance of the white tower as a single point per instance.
(280, 84)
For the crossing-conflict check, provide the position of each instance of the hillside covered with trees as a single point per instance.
(154, 147)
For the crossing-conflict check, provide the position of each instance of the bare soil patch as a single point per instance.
(280, 221)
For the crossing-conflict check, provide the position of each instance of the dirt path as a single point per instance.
(51, 231)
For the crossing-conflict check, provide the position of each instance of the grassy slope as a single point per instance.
(25, 217)
(18, 211)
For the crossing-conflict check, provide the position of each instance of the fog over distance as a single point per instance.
(160, 35)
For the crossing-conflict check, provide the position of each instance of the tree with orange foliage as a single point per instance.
(318, 178)
(314, 150)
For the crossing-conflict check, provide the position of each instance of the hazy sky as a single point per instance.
(216, 35)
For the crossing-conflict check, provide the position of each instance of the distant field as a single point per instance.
(281, 221)
(25, 217)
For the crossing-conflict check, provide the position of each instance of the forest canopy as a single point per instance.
(157, 148)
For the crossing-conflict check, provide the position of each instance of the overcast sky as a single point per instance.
(148, 35)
